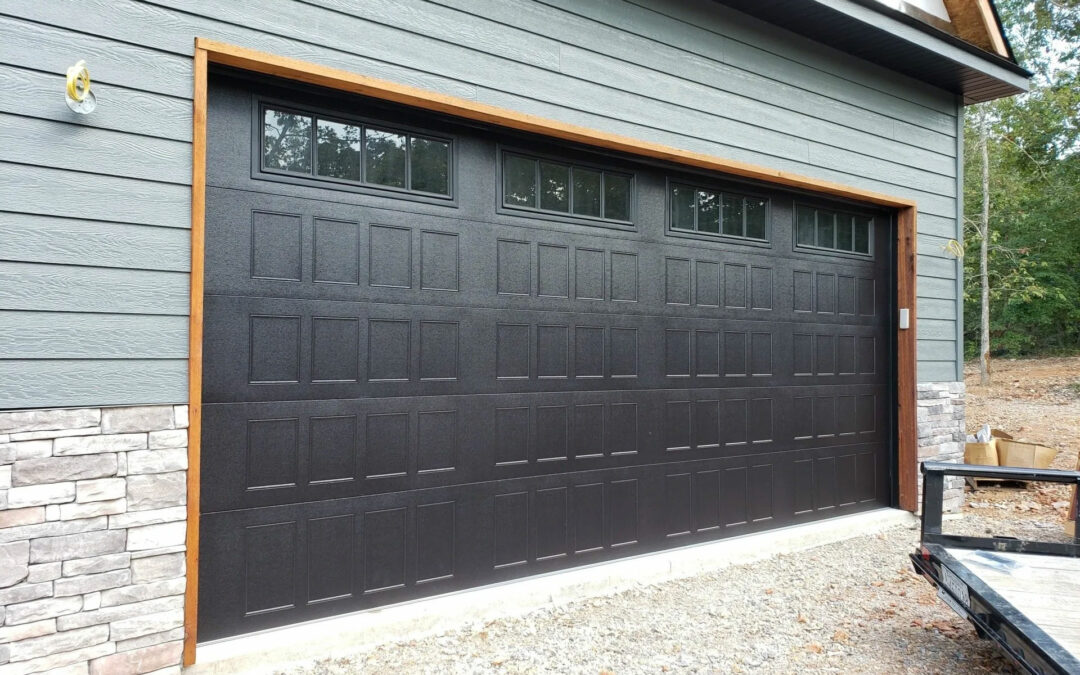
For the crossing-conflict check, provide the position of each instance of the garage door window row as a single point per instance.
(539, 184)
(354, 152)
(833, 231)
(710, 212)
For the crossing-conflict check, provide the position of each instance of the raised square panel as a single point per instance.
(802, 418)
(512, 351)
(386, 452)
(735, 354)
(825, 293)
(733, 496)
(588, 274)
(735, 422)
(436, 440)
(706, 353)
(275, 246)
(735, 285)
(553, 265)
(677, 281)
(706, 500)
(845, 294)
(846, 486)
(867, 355)
(761, 420)
(588, 351)
(337, 251)
(677, 425)
(622, 503)
(803, 494)
(335, 350)
(623, 350)
(588, 517)
(802, 354)
(824, 416)
(269, 581)
(865, 476)
(272, 453)
(706, 424)
(846, 415)
(436, 538)
(802, 291)
(384, 549)
(677, 504)
(761, 362)
(824, 483)
(624, 277)
(761, 288)
(707, 283)
(552, 351)
(552, 435)
(866, 413)
(589, 430)
(677, 353)
(388, 349)
(825, 354)
(275, 350)
(438, 350)
(623, 430)
(845, 354)
(511, 529)
(439, 261)
(511, 435)
(552, 528)
(332, 449)
(514, 268)
(390, 256)
(761, 492)
(330, 558)
(866, 297)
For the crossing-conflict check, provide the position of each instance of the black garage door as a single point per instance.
(438, 355)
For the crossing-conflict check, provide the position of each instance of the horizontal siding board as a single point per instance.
(62, 288)
(29, 92)
(94, 243)
(48, 335)
(59, 145)
(936, 329)
(936, 308)
(933, 246)
(937, 371)
(940, 268)
(56, 192)
(933, 287)
(936, 350)
(54, 383)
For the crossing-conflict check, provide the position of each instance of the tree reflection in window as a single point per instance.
(286, 141)
(384, 157)
(339, 150)
(542, 185)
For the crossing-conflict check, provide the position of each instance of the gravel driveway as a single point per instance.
(850, 607)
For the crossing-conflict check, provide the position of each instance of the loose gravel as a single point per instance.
(850, 607)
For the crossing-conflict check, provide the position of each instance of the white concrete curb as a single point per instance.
(339, 636)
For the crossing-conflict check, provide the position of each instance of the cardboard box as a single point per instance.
(1026, 455)
(985, 454)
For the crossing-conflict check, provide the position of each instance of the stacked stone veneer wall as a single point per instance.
(941, 433)
(92, 525)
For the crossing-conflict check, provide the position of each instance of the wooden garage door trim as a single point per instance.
(208, 51)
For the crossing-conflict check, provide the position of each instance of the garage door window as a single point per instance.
(831, 230)
(711, 212)
(297, 143)
(537, 184)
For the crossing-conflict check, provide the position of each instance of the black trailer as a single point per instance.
(1023, 595)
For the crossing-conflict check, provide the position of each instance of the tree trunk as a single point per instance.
(984, 241)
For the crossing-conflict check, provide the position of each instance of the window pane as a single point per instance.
(586, 192)
(843, 232)
(756, 215)
(286, 141)
(339, 150)
(616, 196)
(554, 187)
(682, 207)
(733, 215)
(385, 158)
(519, 181)
(826, 229)
(708, 212)
(804, 218)
(429, 165)
(862, 234)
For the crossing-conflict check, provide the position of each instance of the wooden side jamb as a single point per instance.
(209, 51)
(974, 22)
(195, 335)
(993, 30)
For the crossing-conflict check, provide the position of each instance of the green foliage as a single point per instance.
(1034, 148)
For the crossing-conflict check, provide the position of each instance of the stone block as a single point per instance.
(14, 562)
(52, 512)
(91, 509)
(59, 469)
(32, 449)
(139, 661)
(40, 495)
(151, 517)
(27, 631)
(16, 517)
(97, 564)
(146, 624)
(43, 572)
(150, 640)
(25, 593)
(46, 664)
(5, 477)
(54, 433)
(165, 550)
(82, 545)
(52, 529)
(173, 438)
(101, 489)
(156, 491)
(155, 568)
(91, 601)
(59, 642)
(88, 583)
(92, 445)
(36, 610)
(118, 612)
(155, 536)
(138, 418)
(157, 461)
(42, 420)
(180, 416)
(142, 592)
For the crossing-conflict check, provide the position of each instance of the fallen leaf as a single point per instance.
(815, 647)
(801, 619)
(841, 635)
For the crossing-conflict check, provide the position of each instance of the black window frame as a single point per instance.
(836, 211)
(720, 191)
(568, 215)
(261, 171)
